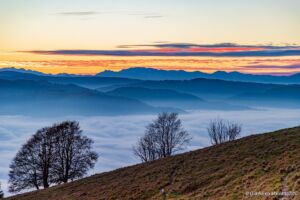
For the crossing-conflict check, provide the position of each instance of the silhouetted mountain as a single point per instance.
(290, 92)
(24, 97)
(155, 74)
(15, 75)
(166, 97)
(21, 70)
(91, 82)
(28, 71)
(152, 74)
(237, 76)
(207, 88)
(184, 94)
(283, 96)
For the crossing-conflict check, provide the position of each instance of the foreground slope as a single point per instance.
(267, 162)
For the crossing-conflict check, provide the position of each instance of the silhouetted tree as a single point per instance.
(233, 130)
(73, 152)
(1, 193)
(53, 155)
(221, 131)
(146, 148)
(163, 137)
(31, 166)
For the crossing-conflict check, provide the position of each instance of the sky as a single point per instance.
(89, 36)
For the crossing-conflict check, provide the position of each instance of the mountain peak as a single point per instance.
(22, 70)
(145, 73)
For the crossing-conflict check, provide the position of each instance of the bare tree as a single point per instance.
(24, 171)
(1, 193)
(145, 148)
(43, 143)
(73, 152)
(53, 155)
(221, 131)
(233, 130)
(31, 166)
(163, 137)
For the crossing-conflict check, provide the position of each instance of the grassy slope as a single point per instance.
(266, 162)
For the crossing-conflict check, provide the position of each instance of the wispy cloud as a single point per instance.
(296, 66)
(186, 49)
(95, 65)
(146, 14)
(153, 16)
(218, 45)
(120, 12)
(78, 13)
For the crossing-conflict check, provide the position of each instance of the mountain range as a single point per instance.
(172, 98)
(41, 98)
(30, 93)
(156, 74)
(143, 73)
(91, 82)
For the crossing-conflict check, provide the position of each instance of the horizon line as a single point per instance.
(279, 74)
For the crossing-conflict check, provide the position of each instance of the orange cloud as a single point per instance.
(92, 65)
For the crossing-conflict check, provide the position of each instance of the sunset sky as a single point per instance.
(89, 36)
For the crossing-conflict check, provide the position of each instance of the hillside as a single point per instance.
(267, 162)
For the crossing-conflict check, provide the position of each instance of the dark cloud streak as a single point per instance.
(264, 53)
(294, 66)
(186, 50)
(193, 45)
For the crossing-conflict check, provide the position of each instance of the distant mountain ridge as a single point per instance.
(176, 95)
(152, 74)
(214, 89)
(282, 96)
(21, 70)
(41, 98)
(28, 71)
(91, 82)
(156, 74)
(143, 73)
(166, 97)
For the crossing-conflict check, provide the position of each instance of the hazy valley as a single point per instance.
(115, 111)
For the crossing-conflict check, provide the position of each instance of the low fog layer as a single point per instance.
(114, 136)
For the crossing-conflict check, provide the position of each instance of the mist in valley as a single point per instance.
(114, 136)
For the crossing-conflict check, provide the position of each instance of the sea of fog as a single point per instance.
(115, 136)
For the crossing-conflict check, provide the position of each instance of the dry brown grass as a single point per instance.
(226, 171)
